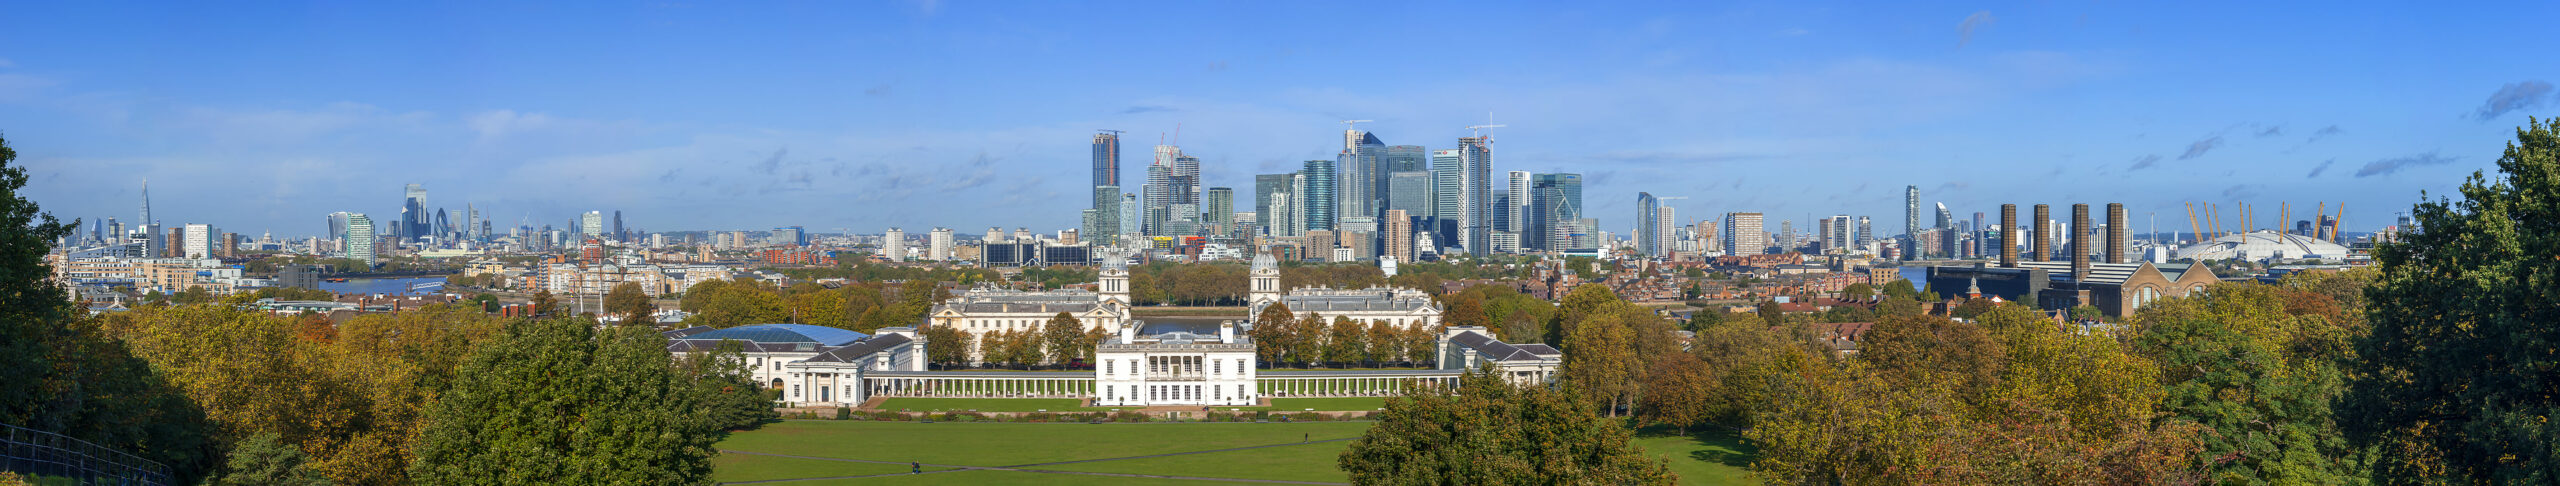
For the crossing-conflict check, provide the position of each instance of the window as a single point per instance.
(795, 391)
(1106, 368)
(1218, 368)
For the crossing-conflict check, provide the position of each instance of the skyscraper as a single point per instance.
(1520, 212)
(1399, 235)
(893, 245)
(1406, 158)
(1557, 202)
(1475, 158)
(1411, 192)
(1838, 234)
(1743, 234)
(939, 245)
(413, 213)
(1666, 231)
(591, 224)
(1911, 210)
(1105, 229)
(1106, 158)
(1319, 198)
(1447, 179)
(359, 238)
(1363, 177)
(1264, 187)
(1220, 212)
(1648, 211)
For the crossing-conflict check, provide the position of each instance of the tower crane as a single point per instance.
(1353, 124)
(1478, 130)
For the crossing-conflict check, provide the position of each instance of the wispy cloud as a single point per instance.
(1978, 21)
(1136, 109)
(878, 90)
(2242, 191)
(2271, 131)
(2325, 133)
(2512, 97)
(772, 163)
(2324, 167)
(2395, 164)
(2144, 162)
(2198, 148)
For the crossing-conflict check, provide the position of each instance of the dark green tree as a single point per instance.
(2456, 383)
(1496, 433)
(61, 374)
(730, 397)
(630, 302)
(2234, 360)
(266, 460)
(558, 401)
(1064, 336)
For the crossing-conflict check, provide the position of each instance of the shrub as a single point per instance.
(844, 413)
(1131, 417)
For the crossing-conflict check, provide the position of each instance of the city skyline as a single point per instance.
(1756, 108)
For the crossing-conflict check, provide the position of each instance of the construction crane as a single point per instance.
(1478, 130)
(1114, 133)
(1353, 124)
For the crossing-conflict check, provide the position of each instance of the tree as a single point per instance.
(2238, 362)
(1493, 432)
(1268, 330)
(1678, 391)
(559, 401)
(1345, 341)
(1305, 339)
(264, 460)
(945, 345)
(1382, 342)
(1858, 291)
(1601, 360)
(1064, 336)
(1465, 309)
(2455, 381)
(628, 301)
(730, 399)
(1901, 289)
(544, 304)
(1770, 312)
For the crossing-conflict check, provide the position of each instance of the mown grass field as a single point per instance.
(1074, 454)
(909, 404)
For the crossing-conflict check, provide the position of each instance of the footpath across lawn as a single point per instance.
(1706, 455)
(1302, 451)
(991, 405)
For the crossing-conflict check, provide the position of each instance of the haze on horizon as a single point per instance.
(969, 115)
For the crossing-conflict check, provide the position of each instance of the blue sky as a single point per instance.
(974, 114)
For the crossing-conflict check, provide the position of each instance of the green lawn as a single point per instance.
(991, 405)
(1718, 457)
(744, 467)
(1011, 444)
(1708, 455)
(1353, 404)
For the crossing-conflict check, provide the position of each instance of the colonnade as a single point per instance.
(1289, 386)
(979, 386)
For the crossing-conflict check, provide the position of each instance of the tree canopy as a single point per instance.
(2456, 381)
(1493, 432)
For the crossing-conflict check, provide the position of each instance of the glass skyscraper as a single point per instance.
(1648, 215)
(1558, 202)
(1320, 196)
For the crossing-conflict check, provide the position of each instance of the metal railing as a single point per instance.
(39, 453)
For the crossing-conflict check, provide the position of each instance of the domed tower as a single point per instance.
(1115, 278)
(1266, 279)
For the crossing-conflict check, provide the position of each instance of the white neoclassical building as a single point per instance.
(1403, 307)
(837, 377)
(765, 347)
(988, 309)
(1175, 364)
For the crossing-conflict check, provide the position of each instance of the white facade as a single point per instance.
(985, 310)
(199, 241)
(835, 377)
(1175, 367)
(940, 249)
(893, 245)
(1401, 307)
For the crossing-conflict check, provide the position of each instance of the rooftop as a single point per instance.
(783, 333)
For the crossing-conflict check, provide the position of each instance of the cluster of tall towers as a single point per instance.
(1394, 195)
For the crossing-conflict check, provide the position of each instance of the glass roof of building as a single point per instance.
(785, 333)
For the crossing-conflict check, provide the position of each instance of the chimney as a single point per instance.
(2008, 236)
(1227, 332)
(2116, 250)
(2079, 243)
(2044, 234)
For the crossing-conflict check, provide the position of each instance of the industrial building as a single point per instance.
(2109, 278)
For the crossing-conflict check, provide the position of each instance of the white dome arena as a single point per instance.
(2261, 245)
